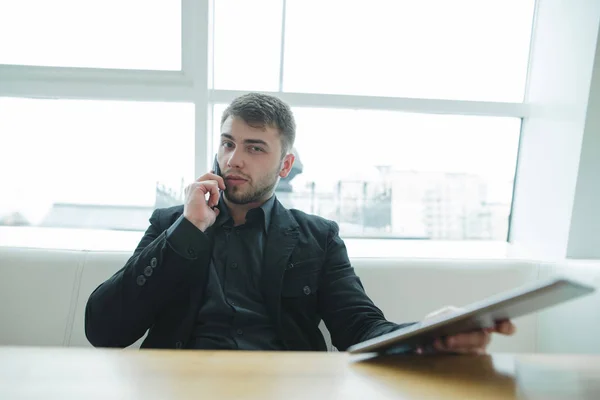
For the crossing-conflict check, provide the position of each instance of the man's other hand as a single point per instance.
(475, 342)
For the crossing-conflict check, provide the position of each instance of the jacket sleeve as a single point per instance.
(124, 307)
(349, 314)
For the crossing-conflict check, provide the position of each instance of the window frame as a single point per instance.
(193, 83)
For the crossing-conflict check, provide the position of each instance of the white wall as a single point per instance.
(584, 236)
(560, 73)
(573, 327)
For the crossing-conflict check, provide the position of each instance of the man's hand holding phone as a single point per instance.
(196, 208)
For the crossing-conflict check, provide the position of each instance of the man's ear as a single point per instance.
(286, 165)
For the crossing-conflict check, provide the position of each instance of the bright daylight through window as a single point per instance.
(92, 164)
(403, 108)
(131, 34)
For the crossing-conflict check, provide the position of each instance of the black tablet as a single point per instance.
(482, 314)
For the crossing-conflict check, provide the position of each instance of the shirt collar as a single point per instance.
(266, 210)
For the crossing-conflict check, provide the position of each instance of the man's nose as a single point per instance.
(235, 159)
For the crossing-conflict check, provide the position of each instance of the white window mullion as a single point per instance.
(282, 52)
(187, 39)
(428, 106)
(195, 28)
(94, 83)
(97, 91)
(30, 72)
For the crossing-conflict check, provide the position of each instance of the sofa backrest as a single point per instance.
(43, 294)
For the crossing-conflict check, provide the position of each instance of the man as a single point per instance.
(239, 271)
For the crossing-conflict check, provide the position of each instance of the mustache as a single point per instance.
(236, 174)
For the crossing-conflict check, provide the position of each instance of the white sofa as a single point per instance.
(43, 295)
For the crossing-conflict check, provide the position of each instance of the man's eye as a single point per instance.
(227, 144)
(257, 149)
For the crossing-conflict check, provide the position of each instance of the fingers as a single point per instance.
(213, 189)
(470, 351)
(505, 327)
(441, 349)
(464, 343)
(211, 176)
(205, 187)
(471, 339)
(472, 342)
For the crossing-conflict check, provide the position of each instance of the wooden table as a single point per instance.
(66, 373)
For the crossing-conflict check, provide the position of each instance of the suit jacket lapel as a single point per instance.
(282, 237)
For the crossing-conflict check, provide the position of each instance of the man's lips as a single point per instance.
(235, 179)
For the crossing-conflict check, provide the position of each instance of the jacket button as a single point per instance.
(191, 252)
(178, 345)
(153, 262)
(306, 290)
(141, 280)
(291, 265)
(148, 270)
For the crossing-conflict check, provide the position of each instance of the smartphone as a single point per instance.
(216, 168)
(217, 171)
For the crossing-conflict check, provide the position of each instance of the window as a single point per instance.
(408, 112)
(92, 164)
(247, 43)
(459, 49)
(404, 175)
(124, 34)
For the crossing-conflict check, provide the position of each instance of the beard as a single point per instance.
(253, 192)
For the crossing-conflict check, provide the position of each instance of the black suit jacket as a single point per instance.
(306, 277)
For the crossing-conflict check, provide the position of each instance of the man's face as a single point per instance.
(250, 161)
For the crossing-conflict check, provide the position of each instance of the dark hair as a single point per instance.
(260, 110)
